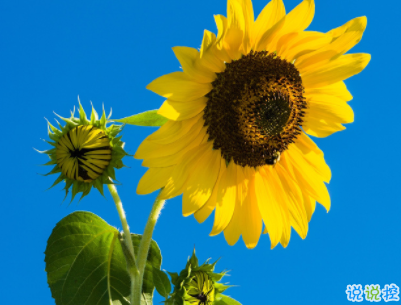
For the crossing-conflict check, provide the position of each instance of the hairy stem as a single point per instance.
(144, 247)
(131, 263)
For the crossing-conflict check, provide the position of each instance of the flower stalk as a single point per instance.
(144, 247)
(133, 269)
(136, 272)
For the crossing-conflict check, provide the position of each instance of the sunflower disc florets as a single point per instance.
(85, 152)
(196, 285)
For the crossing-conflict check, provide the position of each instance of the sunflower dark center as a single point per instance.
(255, 109)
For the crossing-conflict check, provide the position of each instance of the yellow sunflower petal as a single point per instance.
(313, 155)
(310, 205)
(149, 149)
(309, 180)
(209, 39)
(175, 158)
(212, 56)
(303, 43)
(348, 35)
(179, 111)
(172, 131)
(320, 127)
(236, 225)
(218, 51)
(284, 42)
(242, 184)
(235, 32)
(204, 212)
(179, 87)
(343, 39)
(298, 216)
(176, 183)
(249, 24)
(251, 221)
(285, 238)
(221, 24)
(282, 200)
(338, 89)
(301, 198)
(329, 108)
(233, 231)
(336, 70)
(269, 39)
(299, 18)
(201, 182)
(226, 196)
(354, 25)
(269, 208)
(271, 14)
(153, 180)
(188, 57)
(245, 8)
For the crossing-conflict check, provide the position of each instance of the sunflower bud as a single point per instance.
(196, 285)
(200, 290)
(85, 152)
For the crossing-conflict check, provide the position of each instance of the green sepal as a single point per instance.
(103, 119)
(193, 261)
(147, 118)
(48, 152)
(52, 129)
(55, 170)
(99, 186)
(111, 173)
(51, 143)
(58, 180)
(225, 300)
(85, 191)
(68, 184)
(94, 116)
(51, 162)
(75, 190)
(82, 115)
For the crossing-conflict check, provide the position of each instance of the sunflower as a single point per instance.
(86, 152)
(239, 118)
(197, 285)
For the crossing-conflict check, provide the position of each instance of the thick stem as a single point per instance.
(132, 266)
(144, 247)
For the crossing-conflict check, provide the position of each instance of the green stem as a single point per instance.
(132, 266)
(144, 247)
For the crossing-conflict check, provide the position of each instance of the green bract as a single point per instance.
(85, 152)
(196, 285)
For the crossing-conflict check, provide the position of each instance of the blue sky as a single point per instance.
(107, 52)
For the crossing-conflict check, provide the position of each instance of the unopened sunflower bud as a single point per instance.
(200, 290)
(85, 152)
(196, 285)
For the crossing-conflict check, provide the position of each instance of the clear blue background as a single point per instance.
(107, 52)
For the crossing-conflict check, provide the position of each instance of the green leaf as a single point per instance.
(85, 263)
(161, 282)
(174, 278)
(147, 118)
(225, 300)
